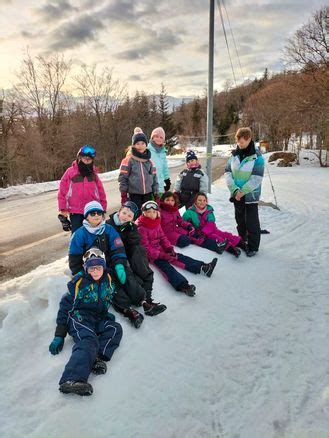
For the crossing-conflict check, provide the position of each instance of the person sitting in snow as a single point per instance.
(84, 314)
(95, 232)
(201, 216)
(123, 222)
(180, 232)
(244, 174)
(79, 185)
(161, 252)
(191, 180)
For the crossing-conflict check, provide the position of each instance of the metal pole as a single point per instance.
(210, 106)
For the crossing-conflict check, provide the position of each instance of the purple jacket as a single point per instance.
(75, 191)
(152, 237)
(172, 223)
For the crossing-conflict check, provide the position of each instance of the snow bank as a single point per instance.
(247, 357)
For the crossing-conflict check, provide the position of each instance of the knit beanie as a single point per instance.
(94, 261)
(190, 155)
(159, 131)
(140, 136)
(92, 206)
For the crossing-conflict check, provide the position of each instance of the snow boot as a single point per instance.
(250, 253)
(99, 367)
(188, 289)
(79, 388)
(151, 308)
(135, 317)
(234, 250)
(207, 268)
(221, 246)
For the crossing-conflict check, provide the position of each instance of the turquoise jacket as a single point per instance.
(159, 158)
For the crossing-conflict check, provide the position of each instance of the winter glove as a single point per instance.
(57, 344)
(167, 184)
(124, 197)
(121, 273)
(66, 224)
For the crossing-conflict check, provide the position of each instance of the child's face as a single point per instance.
(96, 272)
(86, 160)
(201, 202)
(170, 201)
(125, 215)
(151, 213)
(158, 139)
(95, 218)
(243, 143)
(192, 163)
(140, 146)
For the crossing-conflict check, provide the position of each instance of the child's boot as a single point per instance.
(151, 308)
(234, 250)
(188, 289)
(79, 388)
(135, 317)
(208, 268)
(221, 246)
(99, 367)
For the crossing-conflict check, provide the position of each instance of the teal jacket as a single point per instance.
(199, 220)
(159, 158)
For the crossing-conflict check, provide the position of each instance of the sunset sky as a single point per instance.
(148, 42)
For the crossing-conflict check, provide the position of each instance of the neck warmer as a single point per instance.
(198, 210)
(146, 155)
(116, 219)
(156, 147)
(193, 166)
(147, 222)
(243, 153)
(85, 169)
(167, 207)
(94, 230)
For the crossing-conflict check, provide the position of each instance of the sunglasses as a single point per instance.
(96, 213)
(87, 151)
(149, 205)
(95, 268)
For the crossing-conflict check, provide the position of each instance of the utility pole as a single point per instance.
(210, 106)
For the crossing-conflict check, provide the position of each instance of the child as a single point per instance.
(182, 233)
(122, 221)
(137, 178)
(244, 173)
(201, 216)
(191, 180)
(83, 313)
(159, 157)
(161, 252)
(95, 232)
(79, 185)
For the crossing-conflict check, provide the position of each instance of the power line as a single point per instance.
(228, 49)
(231, 30)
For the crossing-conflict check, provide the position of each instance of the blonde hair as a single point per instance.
(243, 133)
(128, 150)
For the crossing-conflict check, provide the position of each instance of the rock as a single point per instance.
(289, 157)
(284, 163)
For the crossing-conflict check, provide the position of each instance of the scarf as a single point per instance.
(146, 155)
(156, 147)
(147, 222)
(198, 210)
(193, 166)
(85, 169)
(243, 153)
(167, 207)
(116, 219)
(94, 230)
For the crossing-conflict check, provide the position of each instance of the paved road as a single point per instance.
(30, 233)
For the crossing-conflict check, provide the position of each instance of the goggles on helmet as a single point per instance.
(150, 204)
(87, 151)
(93, 252)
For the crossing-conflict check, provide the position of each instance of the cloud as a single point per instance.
(55, 10)
(75, 33)
(135, 78)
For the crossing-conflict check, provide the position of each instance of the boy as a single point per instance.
(244, 173)
(191, 180)
(83, 313)
(123, 222)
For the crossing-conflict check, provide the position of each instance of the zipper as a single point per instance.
(143, 178)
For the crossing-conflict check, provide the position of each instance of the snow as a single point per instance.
(37, 188)
(247, 357)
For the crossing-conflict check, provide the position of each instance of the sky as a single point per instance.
(148, 42)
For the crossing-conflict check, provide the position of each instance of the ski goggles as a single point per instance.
(87, 151)
(93, 252)
(150, 204)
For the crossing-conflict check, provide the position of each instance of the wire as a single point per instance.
(236, 49)
(228, 49)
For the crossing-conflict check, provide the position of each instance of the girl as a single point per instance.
(160, 251)
(181, 233)
(201, 216)
(79, 185)
(138, 178)
(123, 222)
(83, 313)
(159, 157)
(96, 233)
(191, 180)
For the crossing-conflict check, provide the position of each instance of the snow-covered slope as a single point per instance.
(247, 357)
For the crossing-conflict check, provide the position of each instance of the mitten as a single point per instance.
(121, 273)
(124, 197)
(66, 224)
(167, 184)
(57, 344)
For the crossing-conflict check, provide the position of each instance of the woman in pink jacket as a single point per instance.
(182, 233)
(79, 185)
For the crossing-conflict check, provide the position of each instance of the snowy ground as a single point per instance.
(247, 357)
